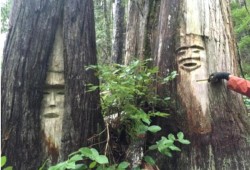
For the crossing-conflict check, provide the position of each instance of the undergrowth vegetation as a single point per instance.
(129, 99)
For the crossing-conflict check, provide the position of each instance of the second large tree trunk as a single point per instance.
(213, 117)
(27, 53)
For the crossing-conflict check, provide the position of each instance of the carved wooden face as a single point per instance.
(53, 95)
(52, 108)
(192, 66)
(189, 57)
(53, 101)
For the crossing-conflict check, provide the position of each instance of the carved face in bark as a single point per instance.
(53, 96)
(52, 108)
(189, 57)
(192, 66)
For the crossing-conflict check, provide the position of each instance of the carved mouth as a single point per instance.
(50, 115)
(189, 63)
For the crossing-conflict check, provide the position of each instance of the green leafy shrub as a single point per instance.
(166, 144)
(129, 92)
(3, 162)
(88, 158)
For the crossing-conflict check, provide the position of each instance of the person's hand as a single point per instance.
(217, 76)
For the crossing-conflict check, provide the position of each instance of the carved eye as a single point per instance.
(60, 92)
(45, 93)
(196, 51)
(181, 52)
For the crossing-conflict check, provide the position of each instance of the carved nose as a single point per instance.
(52, 102)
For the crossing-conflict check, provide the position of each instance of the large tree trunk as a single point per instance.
(82, 109)
(26, 58)
(213, 118)
(26, 54)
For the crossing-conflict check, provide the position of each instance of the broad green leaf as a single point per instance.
(154, 128)
(153, 147)
(160, 114)
(61, 166)
(101, 167)
(3, 160)
(86, 152)
(141, 129)
(184, 141)
(149, 160)
(113, 167)
(8, 168)
(71, 165)
(174, 148)
(180, 135)
(81, 167)
(75, 158)
(94, 154)
(162, 148)
(123, 165)
(167, 153)
(101, 159)
(171, 137)
(146, 120)
(92, 165)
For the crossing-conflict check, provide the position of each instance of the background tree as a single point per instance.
(5, 10)
(33, 25)
(241, 21)
(118, 31)
(103, 26)
(135, 29)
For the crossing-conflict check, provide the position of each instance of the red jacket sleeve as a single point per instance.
(239, 85)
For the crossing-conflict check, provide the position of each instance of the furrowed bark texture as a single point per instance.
(118, 29)
(135, 31)
(82, 109)
(26, 58)
(24, 68)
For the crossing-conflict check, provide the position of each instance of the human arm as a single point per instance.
(239, 85)
(234, 83)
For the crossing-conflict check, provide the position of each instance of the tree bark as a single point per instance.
(82, 109)
(28, 46)
(135, 31)
(118, 30)
(107, 16)
(25, 63)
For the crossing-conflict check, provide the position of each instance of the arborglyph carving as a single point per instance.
(52, 109)
(192, 65)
